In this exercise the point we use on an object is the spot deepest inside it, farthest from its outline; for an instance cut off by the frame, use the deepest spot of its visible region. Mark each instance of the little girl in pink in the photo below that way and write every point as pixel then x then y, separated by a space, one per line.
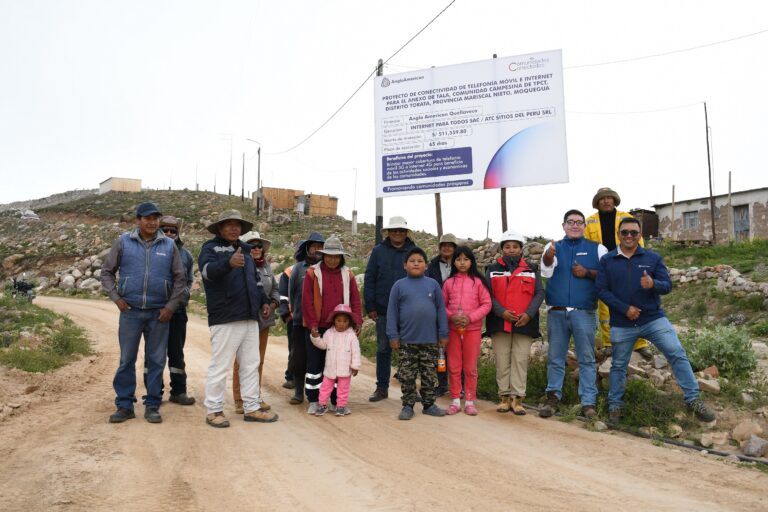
pixel 467 301
pixel 342 359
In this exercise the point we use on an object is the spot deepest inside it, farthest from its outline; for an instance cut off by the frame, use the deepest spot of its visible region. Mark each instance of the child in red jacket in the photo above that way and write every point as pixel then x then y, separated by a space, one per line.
pixel 467 301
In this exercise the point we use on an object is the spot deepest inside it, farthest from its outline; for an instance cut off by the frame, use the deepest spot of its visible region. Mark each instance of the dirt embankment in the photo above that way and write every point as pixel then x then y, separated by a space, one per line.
pixel 61 454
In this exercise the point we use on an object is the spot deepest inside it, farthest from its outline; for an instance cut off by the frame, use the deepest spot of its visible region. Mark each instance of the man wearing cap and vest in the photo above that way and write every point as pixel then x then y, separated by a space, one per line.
pixel 144 276
pixel 177 329
pixel 386 265
pixel 570 266
pixel 602 227
pixel 439 269
pixel 236 303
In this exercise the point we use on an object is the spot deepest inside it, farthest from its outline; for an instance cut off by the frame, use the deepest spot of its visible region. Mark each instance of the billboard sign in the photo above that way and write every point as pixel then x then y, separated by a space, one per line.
pixel 488 124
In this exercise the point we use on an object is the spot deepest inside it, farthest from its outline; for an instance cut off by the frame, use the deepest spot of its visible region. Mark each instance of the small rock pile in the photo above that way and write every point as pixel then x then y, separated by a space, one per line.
pixel 728 279
pixel 489 251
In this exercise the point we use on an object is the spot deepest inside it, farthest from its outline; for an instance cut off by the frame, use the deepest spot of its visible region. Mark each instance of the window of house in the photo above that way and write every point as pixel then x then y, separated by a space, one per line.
pixel 690 220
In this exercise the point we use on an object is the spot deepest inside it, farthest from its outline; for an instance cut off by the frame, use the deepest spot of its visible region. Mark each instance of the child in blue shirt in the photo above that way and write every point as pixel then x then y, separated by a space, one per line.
pixel 416 323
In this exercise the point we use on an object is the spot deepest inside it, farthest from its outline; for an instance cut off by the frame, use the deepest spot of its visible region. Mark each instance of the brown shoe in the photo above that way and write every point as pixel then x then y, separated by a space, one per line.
pixel 550 405
pixel 239 407
pixel 517 406
pixel 503 404
pixel 261 416
pixel 589 412
pixel 264 406
pixel 217 419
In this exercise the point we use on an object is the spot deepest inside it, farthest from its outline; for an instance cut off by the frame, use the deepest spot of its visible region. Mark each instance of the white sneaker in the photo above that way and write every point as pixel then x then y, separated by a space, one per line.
pixel 313 406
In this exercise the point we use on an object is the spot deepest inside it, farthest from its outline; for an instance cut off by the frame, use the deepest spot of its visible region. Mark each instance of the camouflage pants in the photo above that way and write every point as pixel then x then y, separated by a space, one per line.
pixel 418 360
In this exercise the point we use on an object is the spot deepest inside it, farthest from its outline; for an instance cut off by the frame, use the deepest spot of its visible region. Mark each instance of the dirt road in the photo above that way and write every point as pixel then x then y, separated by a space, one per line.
pixel 63 455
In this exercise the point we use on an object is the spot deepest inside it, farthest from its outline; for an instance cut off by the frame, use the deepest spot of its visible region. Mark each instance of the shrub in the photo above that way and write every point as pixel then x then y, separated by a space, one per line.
pixel 726 347
pixel 760 329
pixel 645 406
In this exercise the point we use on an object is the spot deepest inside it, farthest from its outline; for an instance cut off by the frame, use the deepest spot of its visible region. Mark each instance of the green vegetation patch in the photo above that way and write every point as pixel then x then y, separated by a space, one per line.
pixel 726 347
pixel 749 258
pixel 35 339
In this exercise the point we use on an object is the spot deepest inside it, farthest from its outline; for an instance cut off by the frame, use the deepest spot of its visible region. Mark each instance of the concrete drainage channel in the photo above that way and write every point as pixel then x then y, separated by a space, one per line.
pixel 665 440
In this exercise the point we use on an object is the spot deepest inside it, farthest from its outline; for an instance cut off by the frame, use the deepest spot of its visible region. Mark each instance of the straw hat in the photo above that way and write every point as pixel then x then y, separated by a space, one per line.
pixel 230 215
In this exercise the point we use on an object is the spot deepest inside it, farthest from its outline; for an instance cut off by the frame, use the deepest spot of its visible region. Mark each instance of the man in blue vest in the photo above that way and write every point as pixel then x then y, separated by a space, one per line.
pixel 150 286
pixel 631 281
pixel 570 266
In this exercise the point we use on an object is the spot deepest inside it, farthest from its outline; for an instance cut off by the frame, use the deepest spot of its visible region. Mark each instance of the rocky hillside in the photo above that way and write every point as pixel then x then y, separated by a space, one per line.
pixel 71 238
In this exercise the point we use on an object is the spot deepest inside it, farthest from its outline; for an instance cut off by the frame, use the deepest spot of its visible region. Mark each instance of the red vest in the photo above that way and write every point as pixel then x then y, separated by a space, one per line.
pixel 514 290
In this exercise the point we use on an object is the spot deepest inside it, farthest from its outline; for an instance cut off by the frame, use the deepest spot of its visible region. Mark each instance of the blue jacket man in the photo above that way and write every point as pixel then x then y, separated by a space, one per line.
pixel 571 268
pixel 631 281
pixel 386 265
pixel 236 301
pixel 143 275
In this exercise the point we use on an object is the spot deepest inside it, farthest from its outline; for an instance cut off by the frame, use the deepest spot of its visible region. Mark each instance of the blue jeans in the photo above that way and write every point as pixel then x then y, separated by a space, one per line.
pixel 661 333
pixel 383 354
pixel 133 323
pixel 561 325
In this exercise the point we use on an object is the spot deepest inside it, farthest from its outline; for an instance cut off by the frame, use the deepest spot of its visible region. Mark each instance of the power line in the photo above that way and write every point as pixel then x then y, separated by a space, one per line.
pixel 663 54
pixel 372 73
pixel 676 107
pixel 629 59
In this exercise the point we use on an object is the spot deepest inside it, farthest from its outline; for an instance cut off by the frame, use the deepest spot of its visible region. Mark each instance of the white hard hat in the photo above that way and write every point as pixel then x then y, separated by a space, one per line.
pixel 510 235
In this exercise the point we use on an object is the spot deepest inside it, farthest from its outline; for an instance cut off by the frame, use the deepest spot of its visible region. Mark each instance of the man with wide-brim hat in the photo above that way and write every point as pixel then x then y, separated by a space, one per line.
pixel 236 302
pixel 602 227
pixel 259 246
pixel 307 254
pixel 327 284
pixel 136 275
pixel 386 265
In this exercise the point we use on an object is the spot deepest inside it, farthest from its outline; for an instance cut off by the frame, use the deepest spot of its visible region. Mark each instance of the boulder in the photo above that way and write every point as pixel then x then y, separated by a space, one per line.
pixel 67 282
pixel 90 284
pixel 710 439
pixel 745 430
pixel 710 386
pixel 712 371
pixel 755 447
pixel 659 361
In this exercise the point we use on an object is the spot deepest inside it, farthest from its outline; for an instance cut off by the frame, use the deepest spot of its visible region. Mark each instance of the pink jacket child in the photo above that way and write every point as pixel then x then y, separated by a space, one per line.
pixel 465 296
pixel 468 295
pixel 342 359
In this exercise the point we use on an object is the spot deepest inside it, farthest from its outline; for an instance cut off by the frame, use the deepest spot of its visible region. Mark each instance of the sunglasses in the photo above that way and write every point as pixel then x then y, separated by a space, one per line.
pixel 398 230
pixel 629 232
pixel 257 246
pixel 170 230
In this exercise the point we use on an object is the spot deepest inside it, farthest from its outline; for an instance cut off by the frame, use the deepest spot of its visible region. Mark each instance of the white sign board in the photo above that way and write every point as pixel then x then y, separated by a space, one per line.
pixel 489 124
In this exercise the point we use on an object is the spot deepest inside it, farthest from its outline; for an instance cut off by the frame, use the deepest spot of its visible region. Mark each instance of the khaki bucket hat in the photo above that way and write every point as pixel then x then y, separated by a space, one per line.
pixel 230 215
pixel 254 235
pixel 333 247
pixel 606 192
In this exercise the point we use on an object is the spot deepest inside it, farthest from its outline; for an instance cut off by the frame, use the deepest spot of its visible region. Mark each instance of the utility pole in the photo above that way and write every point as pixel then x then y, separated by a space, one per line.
pixel 242 191
pixel 379 200
pixel 230 165
pixel 709 173
pixel 439 215
pixel 503 199
pixel 258 181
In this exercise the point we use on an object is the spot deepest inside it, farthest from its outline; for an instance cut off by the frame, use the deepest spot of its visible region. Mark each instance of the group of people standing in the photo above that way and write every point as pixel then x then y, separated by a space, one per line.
pixel 422 308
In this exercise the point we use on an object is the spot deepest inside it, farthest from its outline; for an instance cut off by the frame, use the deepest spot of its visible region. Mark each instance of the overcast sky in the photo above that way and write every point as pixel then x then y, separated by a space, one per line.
pixel 156 89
